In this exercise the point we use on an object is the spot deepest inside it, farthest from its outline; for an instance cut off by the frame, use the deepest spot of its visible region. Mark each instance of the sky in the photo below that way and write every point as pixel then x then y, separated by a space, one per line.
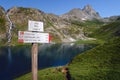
pixel 106 8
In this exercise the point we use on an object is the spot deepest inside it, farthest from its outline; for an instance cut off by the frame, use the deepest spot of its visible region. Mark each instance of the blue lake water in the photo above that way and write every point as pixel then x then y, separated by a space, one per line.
pixel 16 61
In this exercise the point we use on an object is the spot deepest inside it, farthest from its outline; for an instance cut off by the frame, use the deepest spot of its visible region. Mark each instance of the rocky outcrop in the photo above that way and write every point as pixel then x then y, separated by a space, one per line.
pixel 90 13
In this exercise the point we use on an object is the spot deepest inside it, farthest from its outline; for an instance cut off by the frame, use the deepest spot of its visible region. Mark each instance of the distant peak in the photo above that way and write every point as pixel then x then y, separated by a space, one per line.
pixel 88 7
pixel 75 9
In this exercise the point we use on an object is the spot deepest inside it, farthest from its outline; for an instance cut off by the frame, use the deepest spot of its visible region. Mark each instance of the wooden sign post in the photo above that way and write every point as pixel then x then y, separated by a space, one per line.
pixel 35 26
pixel 34 38
pixel 34 60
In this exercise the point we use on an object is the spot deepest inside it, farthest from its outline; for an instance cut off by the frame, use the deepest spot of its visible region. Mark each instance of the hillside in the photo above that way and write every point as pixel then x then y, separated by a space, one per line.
pixel 108 31
pixel 102 62
pixel 3 26
pixel 62 30
pixel 99 63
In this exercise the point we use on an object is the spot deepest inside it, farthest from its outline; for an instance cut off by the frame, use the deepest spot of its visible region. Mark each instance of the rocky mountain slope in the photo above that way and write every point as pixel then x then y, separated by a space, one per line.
pixel 68 27
pixel 60 29
pixel 87 13
pixel 3 25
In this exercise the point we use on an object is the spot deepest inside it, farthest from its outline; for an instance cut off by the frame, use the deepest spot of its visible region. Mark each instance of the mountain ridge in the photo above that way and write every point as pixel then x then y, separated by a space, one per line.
pixel 19 17
pixel 87 13
pixel 61 29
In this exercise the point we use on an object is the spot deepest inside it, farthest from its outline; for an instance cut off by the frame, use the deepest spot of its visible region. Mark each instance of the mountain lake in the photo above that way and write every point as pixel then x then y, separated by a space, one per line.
pixel 16 61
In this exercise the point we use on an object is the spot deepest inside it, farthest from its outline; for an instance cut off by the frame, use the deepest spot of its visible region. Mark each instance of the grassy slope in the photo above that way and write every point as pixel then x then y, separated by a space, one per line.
pixel 108 31
pixel 46 74
pixel 100 63
pixel 89 26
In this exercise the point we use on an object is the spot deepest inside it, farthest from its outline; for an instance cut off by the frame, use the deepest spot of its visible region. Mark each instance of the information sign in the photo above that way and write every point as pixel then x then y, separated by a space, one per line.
pixel 33 37
pixel 35 26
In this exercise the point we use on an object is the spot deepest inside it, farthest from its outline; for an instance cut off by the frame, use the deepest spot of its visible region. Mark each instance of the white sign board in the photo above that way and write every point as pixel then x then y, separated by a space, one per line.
pixel 33 37
pixel 35 26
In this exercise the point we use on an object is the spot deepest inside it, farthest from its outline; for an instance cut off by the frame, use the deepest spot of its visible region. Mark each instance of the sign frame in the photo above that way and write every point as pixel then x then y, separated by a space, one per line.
pixel 33 37
pixel 35 26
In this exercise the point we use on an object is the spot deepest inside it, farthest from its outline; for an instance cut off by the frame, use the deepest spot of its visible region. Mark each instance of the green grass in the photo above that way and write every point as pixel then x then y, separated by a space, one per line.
pixel 2 25
pixel 97 41
pixel 89 26
pixel 107 32
pixel 100 63
pixel 46 74
pixel 26 11
pixel 14 39
pixel 3 42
